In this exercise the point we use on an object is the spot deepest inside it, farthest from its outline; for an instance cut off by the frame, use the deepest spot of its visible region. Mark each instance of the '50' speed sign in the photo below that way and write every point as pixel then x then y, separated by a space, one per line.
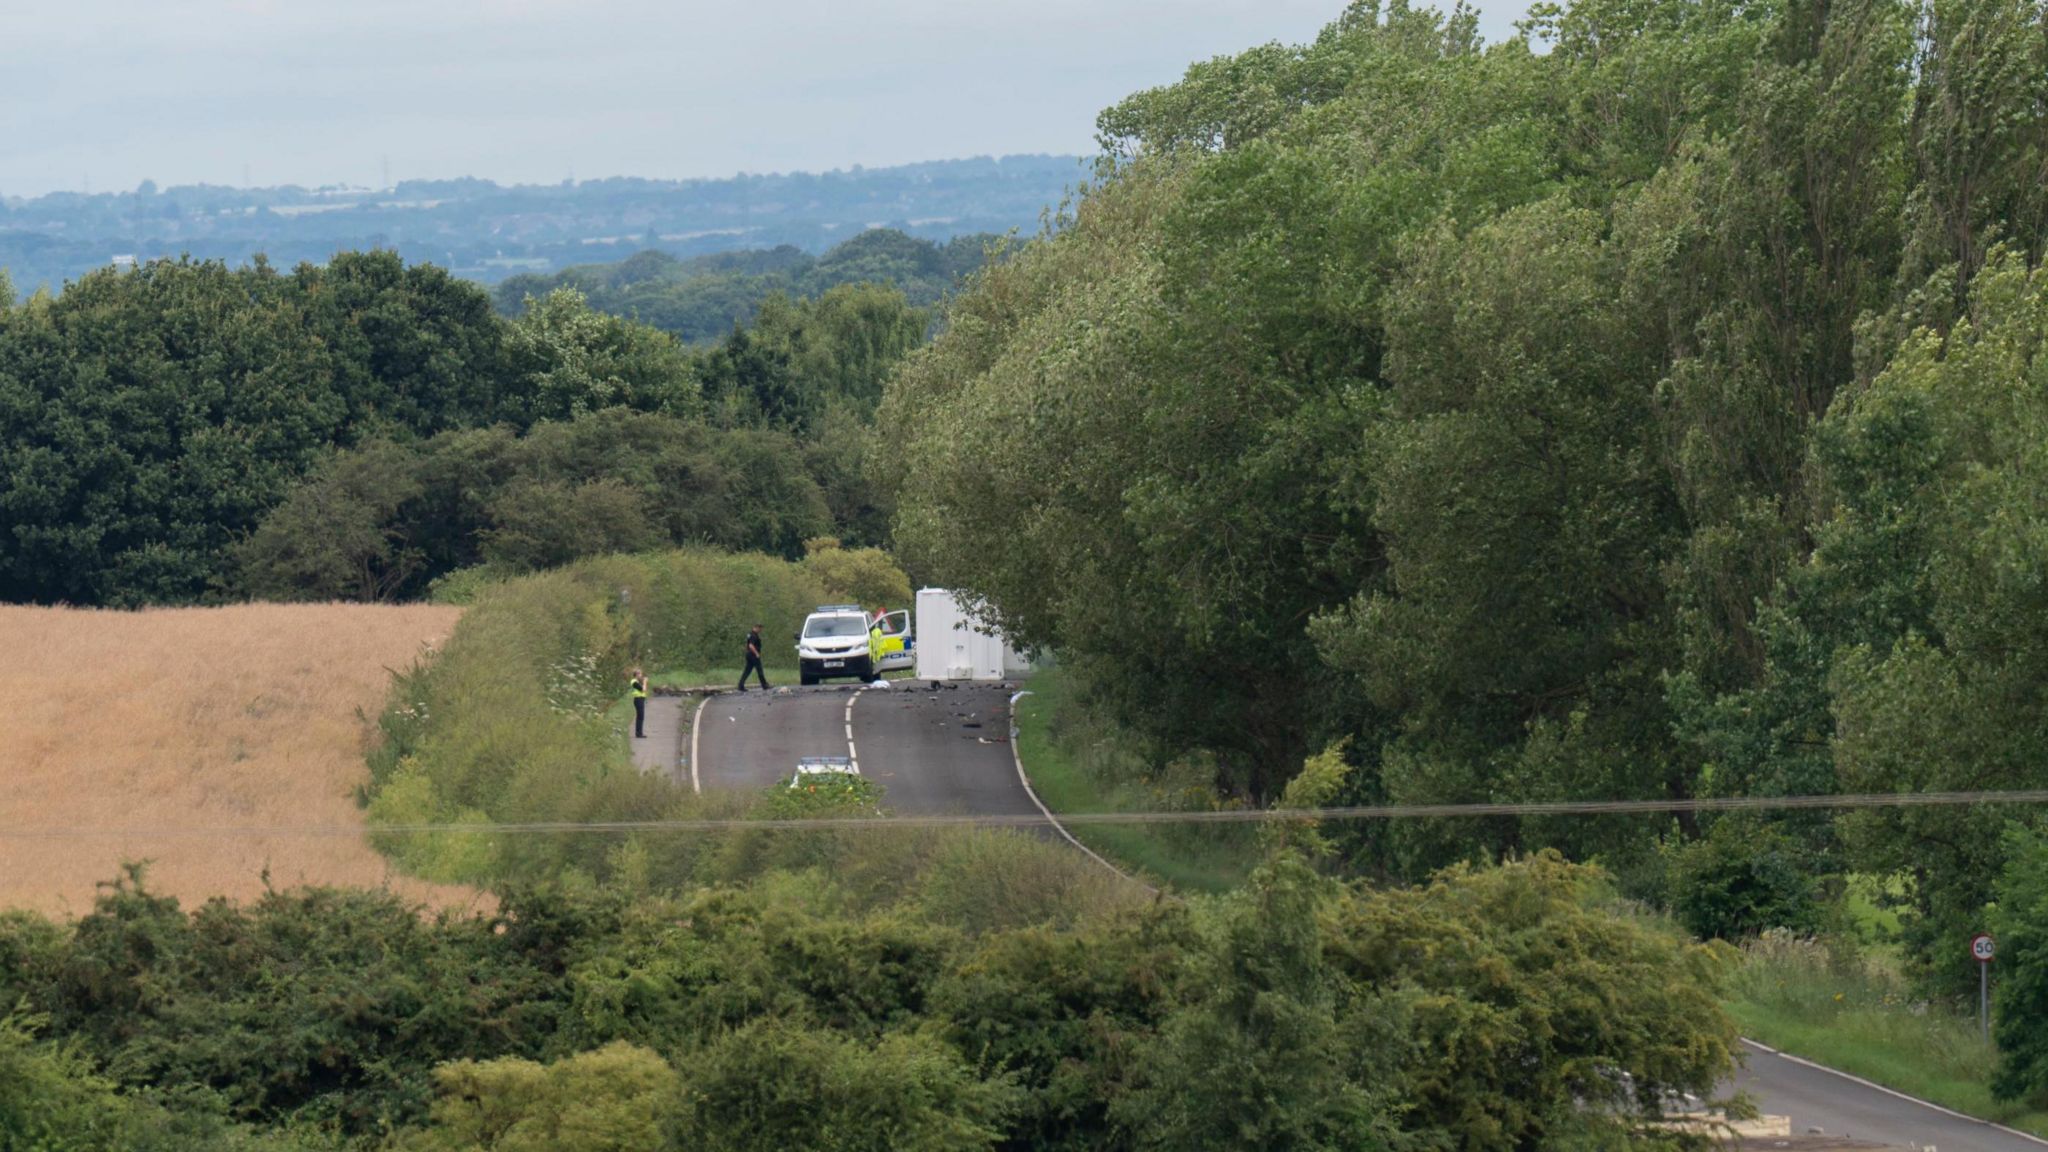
pixel 1982 948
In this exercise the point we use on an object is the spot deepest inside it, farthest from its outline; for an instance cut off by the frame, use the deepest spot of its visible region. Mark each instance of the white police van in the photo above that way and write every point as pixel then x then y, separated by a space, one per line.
pixel 833 644
pixel 841 640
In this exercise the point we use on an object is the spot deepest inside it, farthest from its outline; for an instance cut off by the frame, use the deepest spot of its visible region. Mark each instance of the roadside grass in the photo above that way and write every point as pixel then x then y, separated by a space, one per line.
pixel 1848 1009
pixel 1077 764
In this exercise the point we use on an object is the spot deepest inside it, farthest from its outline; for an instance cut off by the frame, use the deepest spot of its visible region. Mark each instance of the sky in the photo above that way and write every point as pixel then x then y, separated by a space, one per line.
pixel 101 94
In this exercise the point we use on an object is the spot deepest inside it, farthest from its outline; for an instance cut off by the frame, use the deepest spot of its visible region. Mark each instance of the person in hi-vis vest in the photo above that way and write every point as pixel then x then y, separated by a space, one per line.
pixel 639 703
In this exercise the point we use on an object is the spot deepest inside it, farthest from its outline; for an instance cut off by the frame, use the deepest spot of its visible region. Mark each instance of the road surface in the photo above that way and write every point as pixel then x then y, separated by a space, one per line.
pixel 945 751
pixel 1845 1110
pixel 933 751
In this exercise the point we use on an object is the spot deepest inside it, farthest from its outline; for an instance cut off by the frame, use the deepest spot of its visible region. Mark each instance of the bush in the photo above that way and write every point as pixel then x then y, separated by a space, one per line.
pixel 773 1087
pixel 50 1098
pixel 616 1099
pixel 325 1006
pixel 805 1011
pixel 1742 878
pixel 856 575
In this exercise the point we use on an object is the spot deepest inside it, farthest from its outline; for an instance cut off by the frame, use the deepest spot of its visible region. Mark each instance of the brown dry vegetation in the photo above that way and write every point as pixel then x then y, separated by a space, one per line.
pixel 182 720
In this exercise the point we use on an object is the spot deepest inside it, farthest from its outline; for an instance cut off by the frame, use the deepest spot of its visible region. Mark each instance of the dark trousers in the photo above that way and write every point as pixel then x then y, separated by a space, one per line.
pixel 639 715
pixel 753 668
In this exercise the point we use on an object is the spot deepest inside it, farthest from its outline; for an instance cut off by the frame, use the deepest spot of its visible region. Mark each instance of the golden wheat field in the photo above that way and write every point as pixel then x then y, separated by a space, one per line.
pixel 149 735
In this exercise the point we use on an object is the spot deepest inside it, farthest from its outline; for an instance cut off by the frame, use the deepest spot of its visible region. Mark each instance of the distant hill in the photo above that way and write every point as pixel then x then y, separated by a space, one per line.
pixel 701 297
pixel 489 232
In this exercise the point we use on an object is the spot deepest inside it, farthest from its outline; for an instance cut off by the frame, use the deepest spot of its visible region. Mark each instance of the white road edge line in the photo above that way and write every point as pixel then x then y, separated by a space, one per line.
pixel 1017 758
pixel 697 726
pixel 1893 1092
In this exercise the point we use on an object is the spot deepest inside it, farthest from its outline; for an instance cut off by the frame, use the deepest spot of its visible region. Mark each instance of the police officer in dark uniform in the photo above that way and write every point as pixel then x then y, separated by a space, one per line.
pixel 753 667
pixel 639 704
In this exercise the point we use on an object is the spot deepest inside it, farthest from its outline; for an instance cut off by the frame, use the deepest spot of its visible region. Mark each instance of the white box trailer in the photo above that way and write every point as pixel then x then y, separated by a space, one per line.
pixel 951 646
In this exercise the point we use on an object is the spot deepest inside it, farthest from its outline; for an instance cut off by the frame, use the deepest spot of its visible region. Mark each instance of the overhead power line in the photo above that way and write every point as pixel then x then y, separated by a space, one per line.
pixel 1866 800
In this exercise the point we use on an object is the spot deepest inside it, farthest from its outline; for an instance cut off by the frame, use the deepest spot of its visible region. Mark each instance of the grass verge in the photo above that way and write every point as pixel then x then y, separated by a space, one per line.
pixel 1850 1012
pixel 1077 764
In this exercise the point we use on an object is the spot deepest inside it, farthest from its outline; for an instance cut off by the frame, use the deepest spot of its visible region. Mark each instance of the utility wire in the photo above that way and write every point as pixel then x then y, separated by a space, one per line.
pixel 1853 801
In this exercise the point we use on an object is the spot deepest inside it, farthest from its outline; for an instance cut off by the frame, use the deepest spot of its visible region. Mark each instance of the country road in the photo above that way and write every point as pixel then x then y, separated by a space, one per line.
pixel 1846 1110
pixel 946 752
pixel 942 751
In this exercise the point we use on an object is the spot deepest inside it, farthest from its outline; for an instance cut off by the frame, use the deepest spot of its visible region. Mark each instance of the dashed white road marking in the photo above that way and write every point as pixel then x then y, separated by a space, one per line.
pixel 852 755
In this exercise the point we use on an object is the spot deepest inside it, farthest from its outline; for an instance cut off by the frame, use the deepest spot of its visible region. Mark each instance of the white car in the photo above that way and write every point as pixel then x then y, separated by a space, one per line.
pixel 817 768
pixel 833 644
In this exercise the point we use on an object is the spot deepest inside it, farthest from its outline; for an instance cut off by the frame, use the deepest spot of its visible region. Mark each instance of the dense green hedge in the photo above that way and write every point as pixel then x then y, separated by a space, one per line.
pixel 1497 1009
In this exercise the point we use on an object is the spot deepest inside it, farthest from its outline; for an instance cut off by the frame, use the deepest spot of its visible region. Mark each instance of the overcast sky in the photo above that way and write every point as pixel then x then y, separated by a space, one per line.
pixel 106 93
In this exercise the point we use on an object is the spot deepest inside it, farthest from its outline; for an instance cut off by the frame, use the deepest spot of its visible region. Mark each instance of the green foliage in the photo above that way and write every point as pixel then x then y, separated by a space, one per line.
pixel 358 429
pixel 387 520
pixel 613 1099
pixel 2021 1005
pixel 1938 523
pixel 864 576
pixel 837 1006
pixel 832 794
pixel 801 358
pixel 50 1098
pixel 570 360
pixel 1262 1061
pixel 1638 409
pixel 1584 994
pixel 320 1005
pixel 147 420
pixel 771 1087
pixel 703 298
pixel 1741 879
pixel 1080 760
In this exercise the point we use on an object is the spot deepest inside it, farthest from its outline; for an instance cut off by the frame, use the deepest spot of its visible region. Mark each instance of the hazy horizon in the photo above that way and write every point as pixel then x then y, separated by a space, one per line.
pixel 104 94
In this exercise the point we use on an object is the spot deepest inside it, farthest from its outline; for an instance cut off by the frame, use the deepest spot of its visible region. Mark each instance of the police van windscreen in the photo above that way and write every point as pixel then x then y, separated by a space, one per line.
pixel 828 627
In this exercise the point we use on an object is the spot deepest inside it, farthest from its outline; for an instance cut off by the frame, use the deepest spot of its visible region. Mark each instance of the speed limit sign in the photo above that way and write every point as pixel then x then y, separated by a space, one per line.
pixel 1982 948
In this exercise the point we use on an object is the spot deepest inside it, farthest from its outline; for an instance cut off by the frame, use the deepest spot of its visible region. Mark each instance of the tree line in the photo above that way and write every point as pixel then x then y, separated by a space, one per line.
pixel 1646 407
pixel 704 297
pixel 188 432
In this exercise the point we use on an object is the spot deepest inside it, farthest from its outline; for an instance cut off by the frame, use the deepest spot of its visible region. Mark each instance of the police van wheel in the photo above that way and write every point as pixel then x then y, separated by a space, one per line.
pixel 806 679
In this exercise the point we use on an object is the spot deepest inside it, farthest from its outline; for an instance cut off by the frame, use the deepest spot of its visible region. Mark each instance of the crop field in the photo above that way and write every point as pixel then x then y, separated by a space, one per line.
pixel 164 735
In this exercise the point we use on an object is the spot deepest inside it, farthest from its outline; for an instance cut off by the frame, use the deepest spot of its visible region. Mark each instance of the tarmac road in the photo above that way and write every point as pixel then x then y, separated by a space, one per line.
pixel 1843 1109
pixel 942 751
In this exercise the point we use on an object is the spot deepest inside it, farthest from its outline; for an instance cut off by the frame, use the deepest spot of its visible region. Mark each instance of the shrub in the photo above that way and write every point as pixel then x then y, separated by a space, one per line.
pixel 1742 878
pixel 857 575
pixel 615 1099
pixel 773 1087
